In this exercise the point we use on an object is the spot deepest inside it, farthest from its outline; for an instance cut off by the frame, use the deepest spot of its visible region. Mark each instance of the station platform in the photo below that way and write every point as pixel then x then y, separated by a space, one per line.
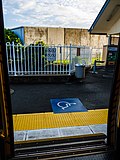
pixel 49 125
pixel 33 116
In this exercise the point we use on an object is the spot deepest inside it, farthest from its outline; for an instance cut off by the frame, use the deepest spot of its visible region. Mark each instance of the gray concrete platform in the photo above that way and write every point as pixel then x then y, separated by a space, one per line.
pixel 59 132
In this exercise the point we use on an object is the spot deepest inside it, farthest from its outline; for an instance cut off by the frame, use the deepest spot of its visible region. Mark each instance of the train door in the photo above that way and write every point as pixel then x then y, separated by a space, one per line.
pixel 6 123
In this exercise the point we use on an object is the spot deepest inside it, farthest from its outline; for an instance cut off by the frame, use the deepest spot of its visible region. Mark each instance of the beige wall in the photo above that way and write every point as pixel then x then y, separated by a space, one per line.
pixel 34 34
pixel 64 36
pixel 56 36
pixel 84 38
pixel 72 36
pixel 98 41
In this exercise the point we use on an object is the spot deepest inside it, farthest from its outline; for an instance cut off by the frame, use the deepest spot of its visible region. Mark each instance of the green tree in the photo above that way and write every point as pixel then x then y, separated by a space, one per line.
pixel 10 36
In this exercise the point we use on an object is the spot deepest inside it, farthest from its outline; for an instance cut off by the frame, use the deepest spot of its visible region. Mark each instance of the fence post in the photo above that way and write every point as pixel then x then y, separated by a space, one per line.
pixel 90 55
pixel 61 60
pixel 14 58
pixel 21 59
pixel 70 59
pixel 7 57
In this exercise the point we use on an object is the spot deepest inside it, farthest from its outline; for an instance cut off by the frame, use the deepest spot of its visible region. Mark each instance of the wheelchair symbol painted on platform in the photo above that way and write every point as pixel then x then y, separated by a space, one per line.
pixel 64 104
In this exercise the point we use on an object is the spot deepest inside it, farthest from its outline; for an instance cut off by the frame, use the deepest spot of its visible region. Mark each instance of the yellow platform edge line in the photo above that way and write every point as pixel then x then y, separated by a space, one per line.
pixel 47 120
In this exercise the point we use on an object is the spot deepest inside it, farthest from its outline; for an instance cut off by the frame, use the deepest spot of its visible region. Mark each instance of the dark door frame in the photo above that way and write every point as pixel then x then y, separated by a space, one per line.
pixel 6 128
pixel 113 129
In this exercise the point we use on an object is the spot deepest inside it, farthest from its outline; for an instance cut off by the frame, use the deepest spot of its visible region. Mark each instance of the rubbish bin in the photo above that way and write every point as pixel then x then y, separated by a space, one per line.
pixel 80 71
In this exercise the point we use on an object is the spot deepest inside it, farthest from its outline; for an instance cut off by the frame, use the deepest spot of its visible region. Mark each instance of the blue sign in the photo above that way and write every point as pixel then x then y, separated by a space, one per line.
pixel 67 105
pixel 51 54
pixel 112 49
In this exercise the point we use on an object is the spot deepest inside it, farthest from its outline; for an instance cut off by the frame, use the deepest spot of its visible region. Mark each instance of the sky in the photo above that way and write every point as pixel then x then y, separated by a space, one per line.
pixel 51 13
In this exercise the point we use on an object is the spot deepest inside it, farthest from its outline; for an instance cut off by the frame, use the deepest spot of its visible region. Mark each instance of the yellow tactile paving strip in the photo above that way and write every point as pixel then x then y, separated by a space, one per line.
pixel 51 120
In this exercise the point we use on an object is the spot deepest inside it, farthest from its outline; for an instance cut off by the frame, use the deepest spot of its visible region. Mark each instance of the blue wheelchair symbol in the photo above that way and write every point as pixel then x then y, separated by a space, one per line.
pixel 64 104
pixel 67 105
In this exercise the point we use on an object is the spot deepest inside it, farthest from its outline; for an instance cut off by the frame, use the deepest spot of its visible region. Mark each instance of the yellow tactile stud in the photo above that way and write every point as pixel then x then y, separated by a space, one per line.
pixel 51 120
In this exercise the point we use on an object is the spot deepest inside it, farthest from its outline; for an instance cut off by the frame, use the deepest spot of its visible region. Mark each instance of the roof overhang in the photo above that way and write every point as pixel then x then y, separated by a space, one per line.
pixel 108 19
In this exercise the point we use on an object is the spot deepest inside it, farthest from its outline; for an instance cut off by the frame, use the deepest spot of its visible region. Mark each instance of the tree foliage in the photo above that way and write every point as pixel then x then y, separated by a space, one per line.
pixel 41 42
pixel 10 36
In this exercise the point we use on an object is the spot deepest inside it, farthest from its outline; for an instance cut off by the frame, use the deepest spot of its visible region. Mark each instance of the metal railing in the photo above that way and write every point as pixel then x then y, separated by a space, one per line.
pixel 45 60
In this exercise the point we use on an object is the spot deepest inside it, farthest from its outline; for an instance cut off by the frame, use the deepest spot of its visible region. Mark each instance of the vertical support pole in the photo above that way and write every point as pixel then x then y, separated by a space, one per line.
pixel 21 57
pixel 41 60
pixel 28 58
pixel 11 60
pixel 17 61
pixel 34 59
pixel 31 66
pixel 7 57
pixel 14 62
pixel 94 67
pixel 24 60
pixel 70 59
pixel 38 57
pixel 90 55
pixel 44 60
pixel 60 59
pixel 78 51
pixel 109 40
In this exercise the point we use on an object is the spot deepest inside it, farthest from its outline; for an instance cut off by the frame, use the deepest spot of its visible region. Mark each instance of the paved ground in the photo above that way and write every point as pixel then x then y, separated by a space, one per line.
pixel 94 93
pixel 59 132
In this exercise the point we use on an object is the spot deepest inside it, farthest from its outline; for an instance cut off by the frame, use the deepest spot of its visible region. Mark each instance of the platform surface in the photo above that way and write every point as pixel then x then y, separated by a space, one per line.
pixel 93 92
pixel 33 114
pixel 51 120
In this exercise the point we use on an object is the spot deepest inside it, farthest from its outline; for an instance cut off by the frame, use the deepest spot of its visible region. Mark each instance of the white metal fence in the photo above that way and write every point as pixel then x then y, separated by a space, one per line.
pixel 45 60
